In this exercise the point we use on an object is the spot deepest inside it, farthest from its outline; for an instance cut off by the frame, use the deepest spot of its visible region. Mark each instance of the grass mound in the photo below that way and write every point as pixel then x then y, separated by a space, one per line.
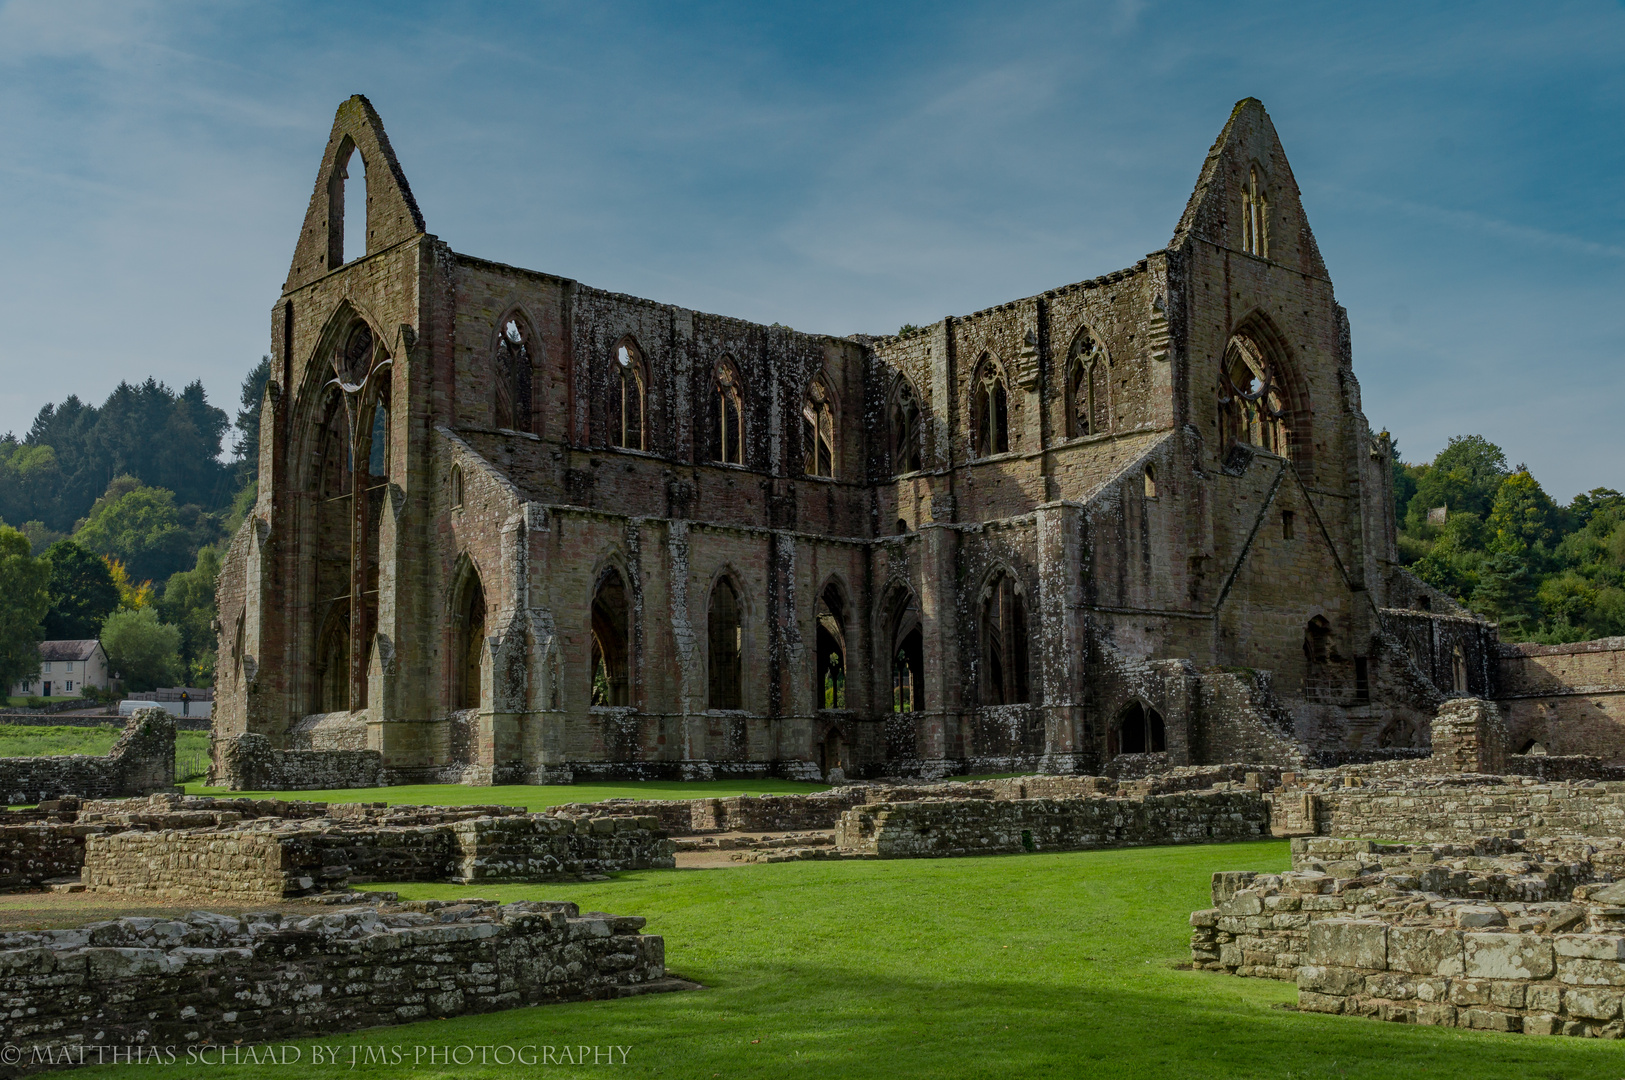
pixel 1019 966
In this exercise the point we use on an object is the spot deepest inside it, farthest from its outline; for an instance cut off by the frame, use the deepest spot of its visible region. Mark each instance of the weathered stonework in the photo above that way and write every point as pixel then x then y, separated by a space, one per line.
pixel 1051 534
pixel 221 982
pixel 142 761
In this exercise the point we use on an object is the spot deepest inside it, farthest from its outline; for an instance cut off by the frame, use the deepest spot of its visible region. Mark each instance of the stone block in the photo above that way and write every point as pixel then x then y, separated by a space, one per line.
pixel 1338 981
pixel 1436 1015
pixel 1591 1003
pixel 1507 956
pixel 1356 943
pixel 1590 946
pixel 1425 950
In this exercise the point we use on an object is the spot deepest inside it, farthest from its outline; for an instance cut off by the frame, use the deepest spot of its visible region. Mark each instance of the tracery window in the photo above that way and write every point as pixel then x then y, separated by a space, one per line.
pixel 1139 730
pixel 513 375
pixel 1253 404
pixel 818 430
pixel 905 430
pixel 1088 402
pixel 990 412
pixel 628 391
pixel 1004 644
pixel 728 425
pixel 1255 217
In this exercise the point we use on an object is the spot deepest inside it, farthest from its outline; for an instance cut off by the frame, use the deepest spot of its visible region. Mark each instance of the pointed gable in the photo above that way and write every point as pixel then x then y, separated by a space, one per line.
pixel 392 214
pixel 1247 166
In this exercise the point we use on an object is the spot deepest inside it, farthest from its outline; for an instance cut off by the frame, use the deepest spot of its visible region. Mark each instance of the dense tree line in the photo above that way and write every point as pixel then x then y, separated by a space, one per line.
pixel 121 514
pixel 1487 533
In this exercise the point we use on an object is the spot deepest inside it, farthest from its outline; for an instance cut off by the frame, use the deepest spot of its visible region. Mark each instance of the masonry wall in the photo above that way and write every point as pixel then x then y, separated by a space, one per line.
pixel 1565 699
pixel 1439 809
pixel 225 982
pixel 141 761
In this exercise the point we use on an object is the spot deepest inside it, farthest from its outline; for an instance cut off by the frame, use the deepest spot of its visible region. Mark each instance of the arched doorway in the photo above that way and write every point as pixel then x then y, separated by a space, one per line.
pixel 830 686
pixel 611 674
pixel 469 642
pixel 724 645
pixel 1139 730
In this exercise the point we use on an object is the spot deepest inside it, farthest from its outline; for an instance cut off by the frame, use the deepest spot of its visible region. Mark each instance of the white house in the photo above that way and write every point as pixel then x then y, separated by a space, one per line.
pixel 66 668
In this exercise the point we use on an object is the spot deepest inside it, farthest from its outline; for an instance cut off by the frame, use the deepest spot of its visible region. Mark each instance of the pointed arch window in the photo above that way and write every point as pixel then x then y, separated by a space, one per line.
pixel 906 430
pixel 1139 730
pixel 724 647
pixel 512 377
pixel 990 409
pixel 628 391
pixel 907 656
pixel 611 641
pixel 830 642
pixel 347 204
pixel 818 429
pixel 468 642
pixel 1004 644
pixel 1255 216
pixel 728 414
pixel 1253 405
pixel 1088 388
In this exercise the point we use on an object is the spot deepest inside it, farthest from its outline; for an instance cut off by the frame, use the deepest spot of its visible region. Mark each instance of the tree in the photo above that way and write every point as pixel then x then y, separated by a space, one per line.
pixel 142 527
pixel 143 652
pixel 188 605
pixel 247 447
pixel 82 592
pixel 1505 592
pixel 132 596
pixel 1464 477
pixel 1523 515
pixel 24 599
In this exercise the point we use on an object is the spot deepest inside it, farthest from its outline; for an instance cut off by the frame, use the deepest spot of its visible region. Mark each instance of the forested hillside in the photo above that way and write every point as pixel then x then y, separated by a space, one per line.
pixel 1489 535
pixel 126 507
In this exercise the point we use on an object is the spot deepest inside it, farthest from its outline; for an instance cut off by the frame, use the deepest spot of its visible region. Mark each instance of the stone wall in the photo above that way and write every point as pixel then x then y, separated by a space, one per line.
pixel 142 761
pixel 1469 736
pixel 221 981
pixel 1566 699
pixel 1446 809
pixel 272 859
pixel 249 763
pixel 943 827
pixel 32 853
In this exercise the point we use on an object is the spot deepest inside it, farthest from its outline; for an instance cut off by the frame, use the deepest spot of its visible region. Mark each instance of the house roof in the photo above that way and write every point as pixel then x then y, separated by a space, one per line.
pixel 68 650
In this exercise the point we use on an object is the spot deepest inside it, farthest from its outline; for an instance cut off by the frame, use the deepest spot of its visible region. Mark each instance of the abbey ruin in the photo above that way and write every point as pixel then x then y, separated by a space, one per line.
pixel 514 528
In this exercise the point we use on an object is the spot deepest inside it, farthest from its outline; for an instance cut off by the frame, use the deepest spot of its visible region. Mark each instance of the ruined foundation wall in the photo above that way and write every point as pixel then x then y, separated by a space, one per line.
pixel 1439 809
pixel 227 981
pixel 142 761
pixel 250 763
pixel 1568 699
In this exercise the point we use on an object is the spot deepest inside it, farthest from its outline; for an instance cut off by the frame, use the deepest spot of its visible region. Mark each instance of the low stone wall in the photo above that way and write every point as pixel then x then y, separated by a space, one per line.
pixel 1259 924
pixel 249 763
pixel 933 828
pixel 143 760
pixel 1461 808
pixel 33 853
pixel 271 859
pixel 213 979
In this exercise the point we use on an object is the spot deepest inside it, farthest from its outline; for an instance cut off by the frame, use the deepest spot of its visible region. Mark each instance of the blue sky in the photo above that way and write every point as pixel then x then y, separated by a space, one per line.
pixel 839 168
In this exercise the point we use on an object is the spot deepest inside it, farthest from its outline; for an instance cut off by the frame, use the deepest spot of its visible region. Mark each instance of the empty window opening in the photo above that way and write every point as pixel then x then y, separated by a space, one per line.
pixel 611 641
pixel 830 634
pixel 1362 680
pixel 456 487
pixel 906 433
pixel 468 650
pixel 902 527
pixel 728 422
pixel 990 410
pixel 1458 670
pixel 512 377
pixel 1140 730
pixel 908 657
pixel 725 647
pixel 1004 644
pixel 1317 641
pixel 1252 402
pixel 1534 748
pixel 628 396
pixel 1255 217
pixel 818 430
pixel 1288 525
pixel 1150 482
pixel 347 207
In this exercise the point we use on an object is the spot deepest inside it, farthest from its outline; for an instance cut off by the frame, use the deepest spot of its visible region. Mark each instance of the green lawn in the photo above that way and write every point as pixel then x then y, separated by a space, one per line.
pixel 27 740
pixel 530 796
pixel 1019 966
pixel 22 702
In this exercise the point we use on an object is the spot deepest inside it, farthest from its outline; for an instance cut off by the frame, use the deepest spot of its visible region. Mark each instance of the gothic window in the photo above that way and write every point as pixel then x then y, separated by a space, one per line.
pixel 725 647
pixel 907 657
pixel 1004 644
pixel 378 441
pixel 346 204
pixel 468 642
pixel 1151 481
pixel 905 430
pixel 989 409
pixel 818 430
pixel 333 661
pixel 628 398
pixel 611 641
pixel 513 376
pixel 1255 217
pixel 830 634
pixel 1139 730
pixel 728 421
pixel 1088 404
pixel 1253 405
pixel 456 487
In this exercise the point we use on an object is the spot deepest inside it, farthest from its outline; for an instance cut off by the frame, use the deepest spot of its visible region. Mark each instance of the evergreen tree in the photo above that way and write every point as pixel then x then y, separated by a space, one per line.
pixel 82 592
pixel 24 599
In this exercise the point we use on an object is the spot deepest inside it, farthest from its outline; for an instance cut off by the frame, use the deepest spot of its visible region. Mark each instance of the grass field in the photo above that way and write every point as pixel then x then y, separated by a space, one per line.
pixel 1039 965
pixel 21 701
pixel 530 796
pixel 24 740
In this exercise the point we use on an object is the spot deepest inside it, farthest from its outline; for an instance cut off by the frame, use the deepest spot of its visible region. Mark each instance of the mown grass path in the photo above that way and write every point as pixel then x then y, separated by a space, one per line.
pixel 1042 965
